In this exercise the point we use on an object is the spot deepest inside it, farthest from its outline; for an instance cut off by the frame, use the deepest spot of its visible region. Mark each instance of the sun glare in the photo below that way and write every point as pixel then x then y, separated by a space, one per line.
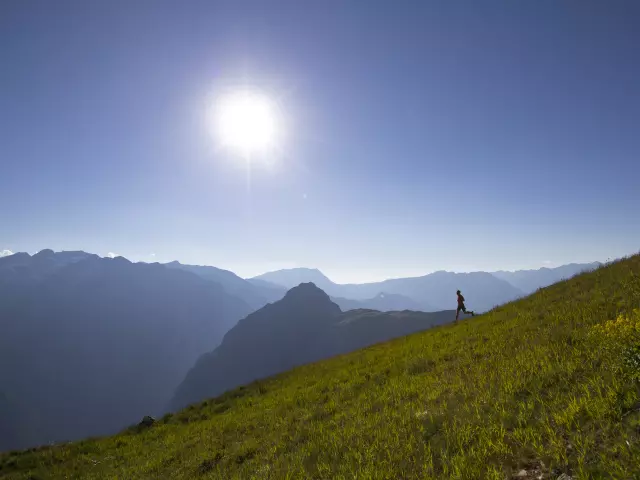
pixel 247 122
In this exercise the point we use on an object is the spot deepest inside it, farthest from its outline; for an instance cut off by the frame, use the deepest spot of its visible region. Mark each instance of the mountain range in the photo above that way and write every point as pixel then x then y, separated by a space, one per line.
pixel 435 291
pixel 531 280
pixel 90 345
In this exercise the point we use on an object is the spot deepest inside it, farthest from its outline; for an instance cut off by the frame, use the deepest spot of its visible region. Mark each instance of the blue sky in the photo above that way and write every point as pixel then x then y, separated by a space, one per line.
pixel 420 136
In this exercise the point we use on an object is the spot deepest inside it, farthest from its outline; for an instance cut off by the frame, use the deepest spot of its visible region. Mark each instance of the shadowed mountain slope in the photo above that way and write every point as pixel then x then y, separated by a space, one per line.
pixel 303 327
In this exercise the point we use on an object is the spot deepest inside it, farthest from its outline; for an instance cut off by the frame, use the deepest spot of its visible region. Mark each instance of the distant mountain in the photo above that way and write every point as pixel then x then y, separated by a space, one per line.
pixel 437 290
pixel 531 280
pixel 292 277
pixel 89 345
pixel 303 327
pixel 482 290
pixel 254 294
pixel 383 302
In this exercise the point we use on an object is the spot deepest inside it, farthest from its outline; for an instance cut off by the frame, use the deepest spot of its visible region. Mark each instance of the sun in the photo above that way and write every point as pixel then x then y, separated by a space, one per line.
pixel 247 122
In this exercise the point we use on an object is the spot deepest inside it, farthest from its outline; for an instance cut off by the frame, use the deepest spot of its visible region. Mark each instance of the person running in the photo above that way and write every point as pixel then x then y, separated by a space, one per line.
pixel 461 306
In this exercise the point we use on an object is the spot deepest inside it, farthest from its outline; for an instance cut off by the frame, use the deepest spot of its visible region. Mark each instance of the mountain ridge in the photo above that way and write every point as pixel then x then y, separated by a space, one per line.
pixel 519 283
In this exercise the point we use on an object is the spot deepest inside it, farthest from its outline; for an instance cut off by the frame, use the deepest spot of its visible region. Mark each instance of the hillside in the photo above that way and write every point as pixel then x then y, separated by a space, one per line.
pixel 89 344
pixel 543 387
pixel 305 326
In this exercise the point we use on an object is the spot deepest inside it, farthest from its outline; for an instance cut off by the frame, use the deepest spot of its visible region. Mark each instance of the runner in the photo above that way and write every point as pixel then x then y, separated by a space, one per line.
pixel 461 306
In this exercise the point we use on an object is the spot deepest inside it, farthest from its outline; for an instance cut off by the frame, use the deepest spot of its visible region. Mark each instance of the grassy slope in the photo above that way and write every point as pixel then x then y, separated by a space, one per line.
pixel 483 398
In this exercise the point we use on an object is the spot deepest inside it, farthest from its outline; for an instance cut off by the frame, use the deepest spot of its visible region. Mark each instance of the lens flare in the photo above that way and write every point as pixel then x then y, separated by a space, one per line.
pixel 247 122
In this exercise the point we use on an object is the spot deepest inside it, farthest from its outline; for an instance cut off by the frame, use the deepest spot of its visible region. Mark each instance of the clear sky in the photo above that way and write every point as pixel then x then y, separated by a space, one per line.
pixel 420 136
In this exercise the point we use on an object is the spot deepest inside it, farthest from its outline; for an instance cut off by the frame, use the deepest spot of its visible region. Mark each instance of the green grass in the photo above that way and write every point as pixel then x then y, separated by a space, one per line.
pixel 532 385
